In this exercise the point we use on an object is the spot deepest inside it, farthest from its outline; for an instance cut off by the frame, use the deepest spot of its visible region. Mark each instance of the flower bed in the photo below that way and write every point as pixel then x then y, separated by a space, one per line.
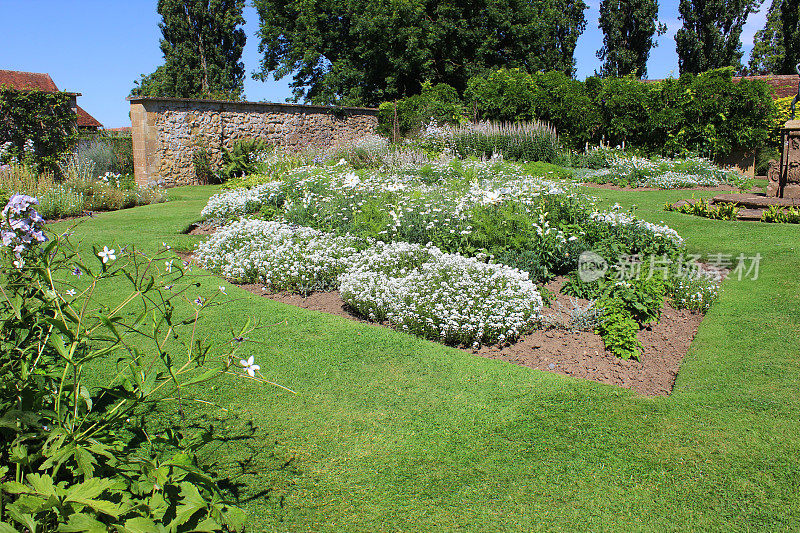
pixel 621 169
pixel 450 251
pixel 419 289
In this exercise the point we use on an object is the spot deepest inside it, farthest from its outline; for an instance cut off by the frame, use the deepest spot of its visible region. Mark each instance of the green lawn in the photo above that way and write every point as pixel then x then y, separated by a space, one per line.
pixel 392 433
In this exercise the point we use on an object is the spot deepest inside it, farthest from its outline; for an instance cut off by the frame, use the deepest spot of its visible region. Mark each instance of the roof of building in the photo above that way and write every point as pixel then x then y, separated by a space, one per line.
pixel 30 81
pixel 783 85
pixel 85 120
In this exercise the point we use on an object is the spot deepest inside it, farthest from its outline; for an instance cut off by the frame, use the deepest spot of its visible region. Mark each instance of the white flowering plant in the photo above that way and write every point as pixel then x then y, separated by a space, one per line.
pixel 628 170
pixel 72 452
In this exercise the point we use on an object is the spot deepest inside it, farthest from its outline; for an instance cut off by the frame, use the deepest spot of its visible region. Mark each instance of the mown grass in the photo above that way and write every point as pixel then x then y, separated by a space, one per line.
pixel 392 433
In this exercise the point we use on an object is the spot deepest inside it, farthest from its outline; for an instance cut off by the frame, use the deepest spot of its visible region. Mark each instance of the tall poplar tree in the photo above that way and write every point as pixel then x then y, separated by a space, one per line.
pixel 768 51
pixel 790 17
pixel 711 34
pixel 202 43
pixel 628 27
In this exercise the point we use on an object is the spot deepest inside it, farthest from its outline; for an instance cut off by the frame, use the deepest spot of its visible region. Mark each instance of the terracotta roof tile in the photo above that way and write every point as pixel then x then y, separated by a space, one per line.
pixel 27 80
pixel 85 120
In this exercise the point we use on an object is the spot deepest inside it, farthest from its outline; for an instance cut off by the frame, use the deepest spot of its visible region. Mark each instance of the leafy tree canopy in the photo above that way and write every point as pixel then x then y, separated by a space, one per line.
pixel 202 43
pixel 711 34
pixel 768 52
pixel 628 27
pixel 362 52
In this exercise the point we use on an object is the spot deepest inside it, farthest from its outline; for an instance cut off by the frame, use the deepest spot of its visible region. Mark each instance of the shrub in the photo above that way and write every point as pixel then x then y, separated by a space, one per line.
pixel 438 103
pixel 701 208
pixel 80 456
pixel 521 141
pixel 98 151
pixel 243 158
pixel 618 329
pixel 776 213
pixel 694 292
pixel 201 159
pixel 707 113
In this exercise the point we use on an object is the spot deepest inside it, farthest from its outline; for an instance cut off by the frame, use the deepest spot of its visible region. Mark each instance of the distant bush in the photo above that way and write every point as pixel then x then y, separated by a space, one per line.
pixel 706 114
pixel 438 103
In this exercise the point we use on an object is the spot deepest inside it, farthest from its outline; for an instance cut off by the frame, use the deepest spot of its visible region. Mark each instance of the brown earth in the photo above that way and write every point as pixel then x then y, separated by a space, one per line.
pixel 579 354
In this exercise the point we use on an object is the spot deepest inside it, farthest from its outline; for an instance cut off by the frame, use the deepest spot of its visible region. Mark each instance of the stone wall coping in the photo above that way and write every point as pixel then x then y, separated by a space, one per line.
pixel 142 99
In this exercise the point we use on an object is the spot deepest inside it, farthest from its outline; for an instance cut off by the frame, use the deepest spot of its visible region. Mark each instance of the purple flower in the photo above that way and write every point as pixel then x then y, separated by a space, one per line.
pixel 199 301
pixel 77 272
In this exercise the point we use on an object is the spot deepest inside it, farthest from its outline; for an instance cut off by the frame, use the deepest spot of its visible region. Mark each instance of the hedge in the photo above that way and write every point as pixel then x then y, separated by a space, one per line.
pixel 707 114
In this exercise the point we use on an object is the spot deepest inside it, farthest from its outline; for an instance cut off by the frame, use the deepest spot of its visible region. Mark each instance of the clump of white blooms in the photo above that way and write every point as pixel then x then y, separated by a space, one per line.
pixel 619 218
pixel 660 172
pixel 695 292
pixel 229 205
pixel 417 288
pixel 446 297
pixel 284 257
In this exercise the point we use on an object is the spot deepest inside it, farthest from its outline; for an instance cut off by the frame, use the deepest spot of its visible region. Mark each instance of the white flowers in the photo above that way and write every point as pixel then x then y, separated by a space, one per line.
pixel 417 288
pixel 107 255
pixel 249 366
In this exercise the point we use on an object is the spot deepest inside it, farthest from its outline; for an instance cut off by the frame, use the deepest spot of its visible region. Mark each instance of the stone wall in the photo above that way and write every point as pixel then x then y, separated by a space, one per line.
pixel 167 131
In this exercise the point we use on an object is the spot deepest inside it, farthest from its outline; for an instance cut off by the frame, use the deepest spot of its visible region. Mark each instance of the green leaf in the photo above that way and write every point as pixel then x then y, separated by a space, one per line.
pixel 6 528
pixel 82 523
pixel 205 376
pixel 139 524
pixel 191 503
pixel 86 462
pixel 87 492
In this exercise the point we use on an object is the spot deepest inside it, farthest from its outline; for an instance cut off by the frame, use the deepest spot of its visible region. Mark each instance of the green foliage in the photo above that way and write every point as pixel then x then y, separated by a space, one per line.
pixel 438 103
pixel 359 52
pixel 780 214
pixel 790 24
pixel 201 159
pixel 202 42
pixel 243 159
pixel 706 114
pixel 642 297
pixel 710 37
pixel 628 27
pixel 45 118
pixel 618 329
pixel 701 208
pixel 83 457
pixel 768 49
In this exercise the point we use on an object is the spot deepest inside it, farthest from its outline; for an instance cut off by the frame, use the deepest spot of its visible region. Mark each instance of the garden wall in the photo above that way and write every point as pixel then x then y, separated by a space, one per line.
pixel 167 131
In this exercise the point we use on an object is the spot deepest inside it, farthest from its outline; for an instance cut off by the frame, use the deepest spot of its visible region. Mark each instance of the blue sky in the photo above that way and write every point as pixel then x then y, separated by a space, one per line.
pixel 99 47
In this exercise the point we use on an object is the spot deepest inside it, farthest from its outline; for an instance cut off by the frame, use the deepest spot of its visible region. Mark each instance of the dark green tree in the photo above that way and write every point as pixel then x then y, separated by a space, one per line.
pixel 202 43
pixel 628 27
pixel 790 16
pixel 768 51
pixel 711 34
pixel 362 52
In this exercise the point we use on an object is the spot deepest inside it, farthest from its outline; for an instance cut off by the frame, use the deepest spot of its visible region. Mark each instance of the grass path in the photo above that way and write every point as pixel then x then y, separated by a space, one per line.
pixel 392 433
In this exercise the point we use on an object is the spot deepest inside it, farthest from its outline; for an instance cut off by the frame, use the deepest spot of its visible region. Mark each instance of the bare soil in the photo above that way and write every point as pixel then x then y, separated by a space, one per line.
pixel 579 354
